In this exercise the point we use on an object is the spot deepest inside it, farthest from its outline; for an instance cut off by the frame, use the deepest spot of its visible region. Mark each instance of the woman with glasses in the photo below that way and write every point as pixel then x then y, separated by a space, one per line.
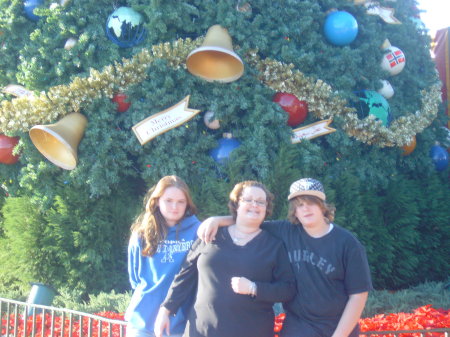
pixel 238 276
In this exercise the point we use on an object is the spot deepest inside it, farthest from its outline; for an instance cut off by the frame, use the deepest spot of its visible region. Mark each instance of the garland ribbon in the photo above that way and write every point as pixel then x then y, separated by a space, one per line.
pixel 21 113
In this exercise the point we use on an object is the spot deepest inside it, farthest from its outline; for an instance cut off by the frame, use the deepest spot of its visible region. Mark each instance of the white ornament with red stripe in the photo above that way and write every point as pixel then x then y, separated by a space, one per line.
pixel 393 60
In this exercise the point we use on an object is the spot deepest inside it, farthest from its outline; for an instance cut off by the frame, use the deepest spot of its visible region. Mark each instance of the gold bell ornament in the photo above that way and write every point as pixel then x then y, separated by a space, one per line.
pixel 58 142
pixel 216 60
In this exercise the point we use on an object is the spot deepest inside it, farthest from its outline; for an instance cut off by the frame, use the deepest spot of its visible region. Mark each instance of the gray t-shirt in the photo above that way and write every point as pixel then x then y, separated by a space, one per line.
pixel 327 271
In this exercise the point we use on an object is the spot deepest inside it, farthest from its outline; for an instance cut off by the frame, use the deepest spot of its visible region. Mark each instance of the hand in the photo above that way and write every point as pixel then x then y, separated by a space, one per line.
pixel 162 322
pixel 208 229
pixel 241 285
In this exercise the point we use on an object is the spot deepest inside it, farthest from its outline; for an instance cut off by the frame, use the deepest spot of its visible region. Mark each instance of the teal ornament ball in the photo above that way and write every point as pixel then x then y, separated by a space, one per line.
pixel 125 27
pixel 340 28
pixel 372 103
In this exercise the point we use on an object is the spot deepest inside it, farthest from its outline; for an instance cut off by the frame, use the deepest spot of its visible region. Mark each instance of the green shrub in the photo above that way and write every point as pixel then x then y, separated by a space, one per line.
pixel 68 241
pixel 13 293
pixel 72 299
pixel 437 294
pixel 380 301
pixel 383 301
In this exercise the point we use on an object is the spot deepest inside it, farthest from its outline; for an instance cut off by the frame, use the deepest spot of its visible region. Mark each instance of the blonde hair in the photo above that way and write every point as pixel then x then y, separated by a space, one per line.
pixel 327 209
pixel 150 224
pixel 236 194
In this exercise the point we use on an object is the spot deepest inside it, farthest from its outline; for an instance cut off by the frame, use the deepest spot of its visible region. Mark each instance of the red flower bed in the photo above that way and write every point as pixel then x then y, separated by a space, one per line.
pixel 421 318
pixel 42 326
pixel 424 317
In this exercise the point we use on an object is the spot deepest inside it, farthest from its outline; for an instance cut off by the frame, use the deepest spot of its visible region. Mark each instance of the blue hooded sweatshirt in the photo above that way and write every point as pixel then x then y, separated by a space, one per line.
pixel 151 276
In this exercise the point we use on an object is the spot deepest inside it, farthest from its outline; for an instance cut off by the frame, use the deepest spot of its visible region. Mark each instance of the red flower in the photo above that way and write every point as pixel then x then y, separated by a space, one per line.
pixel 421 318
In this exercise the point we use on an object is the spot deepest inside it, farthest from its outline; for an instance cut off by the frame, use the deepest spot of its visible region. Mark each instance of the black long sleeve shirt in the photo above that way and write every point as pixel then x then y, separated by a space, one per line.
pixel 220 312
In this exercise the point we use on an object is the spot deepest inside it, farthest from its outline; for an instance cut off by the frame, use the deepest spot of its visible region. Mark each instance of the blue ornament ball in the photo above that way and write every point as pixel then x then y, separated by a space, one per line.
pixel 28 8
pixel 340 28
pixel 439 156
pixel 372 103
pixel 222 152
pixel 125 27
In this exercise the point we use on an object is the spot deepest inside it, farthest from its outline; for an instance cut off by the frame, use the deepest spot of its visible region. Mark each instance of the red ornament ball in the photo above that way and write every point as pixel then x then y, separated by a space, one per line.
pixel 409 148
pixel 7 145
pixel 297 110
pixel 122 104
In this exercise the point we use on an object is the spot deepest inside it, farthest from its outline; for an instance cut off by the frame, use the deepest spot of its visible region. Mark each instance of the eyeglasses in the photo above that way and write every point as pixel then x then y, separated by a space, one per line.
pixel 260 203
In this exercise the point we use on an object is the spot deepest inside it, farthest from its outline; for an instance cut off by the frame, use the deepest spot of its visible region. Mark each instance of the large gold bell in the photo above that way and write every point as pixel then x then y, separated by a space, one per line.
pixel 58 142
pixel 215 60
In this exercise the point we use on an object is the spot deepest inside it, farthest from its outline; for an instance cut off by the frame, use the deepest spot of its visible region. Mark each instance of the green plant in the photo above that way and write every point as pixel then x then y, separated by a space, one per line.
pixel 74 300
pixel 384 301
pixel 66 240
pixel 379 302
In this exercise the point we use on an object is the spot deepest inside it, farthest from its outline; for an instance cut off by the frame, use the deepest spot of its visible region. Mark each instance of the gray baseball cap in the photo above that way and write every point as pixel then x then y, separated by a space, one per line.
pixel 307 186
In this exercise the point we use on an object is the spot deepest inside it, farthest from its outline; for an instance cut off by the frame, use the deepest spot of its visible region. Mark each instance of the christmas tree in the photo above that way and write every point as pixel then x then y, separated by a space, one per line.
pixel 342 91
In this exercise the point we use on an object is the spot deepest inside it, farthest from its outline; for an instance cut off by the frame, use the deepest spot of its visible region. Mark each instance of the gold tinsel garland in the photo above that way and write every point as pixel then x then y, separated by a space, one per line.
pixel 20 114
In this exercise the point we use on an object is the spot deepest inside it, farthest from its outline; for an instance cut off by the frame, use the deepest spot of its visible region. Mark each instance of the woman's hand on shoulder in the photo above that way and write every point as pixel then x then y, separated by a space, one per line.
pixel 208 229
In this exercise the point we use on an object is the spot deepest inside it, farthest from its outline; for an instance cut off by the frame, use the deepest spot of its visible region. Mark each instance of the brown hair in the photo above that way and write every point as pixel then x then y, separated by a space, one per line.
pixel 236 194
pixel 327 209
pixel 150 225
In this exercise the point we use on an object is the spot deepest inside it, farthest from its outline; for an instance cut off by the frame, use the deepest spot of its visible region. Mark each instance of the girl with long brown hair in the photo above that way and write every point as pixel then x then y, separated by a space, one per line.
pixel 160 238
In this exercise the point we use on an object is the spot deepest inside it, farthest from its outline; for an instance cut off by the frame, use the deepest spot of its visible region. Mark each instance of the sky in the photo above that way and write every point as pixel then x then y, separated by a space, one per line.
pixel 436 14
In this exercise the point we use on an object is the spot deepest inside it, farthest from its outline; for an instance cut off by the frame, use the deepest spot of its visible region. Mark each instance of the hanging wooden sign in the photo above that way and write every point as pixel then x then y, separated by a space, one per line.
pixel 164 121
pixel 17 90
pixel 385 13
pixel 311 131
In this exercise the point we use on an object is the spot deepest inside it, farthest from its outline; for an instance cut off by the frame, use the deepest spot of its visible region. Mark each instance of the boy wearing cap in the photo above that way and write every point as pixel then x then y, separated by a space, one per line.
pixel 329 263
